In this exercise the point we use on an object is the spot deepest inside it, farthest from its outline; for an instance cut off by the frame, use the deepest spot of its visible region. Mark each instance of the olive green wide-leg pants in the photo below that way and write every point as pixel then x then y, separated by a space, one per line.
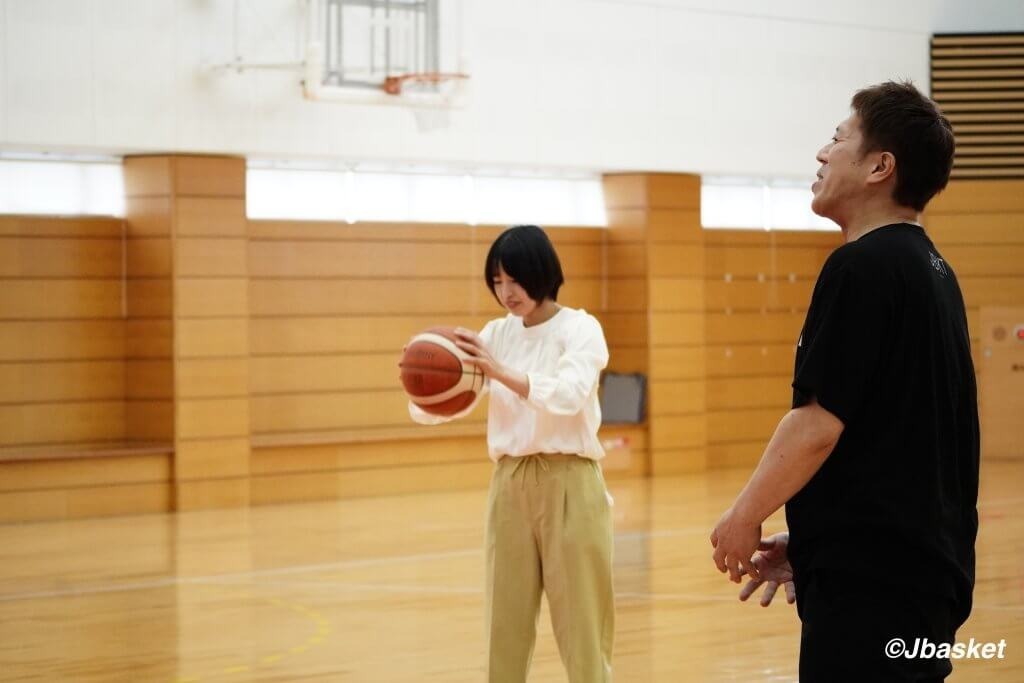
pixel 549 528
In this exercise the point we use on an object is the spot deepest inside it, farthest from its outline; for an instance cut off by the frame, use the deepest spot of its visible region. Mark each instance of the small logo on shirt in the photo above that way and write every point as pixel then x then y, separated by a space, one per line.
pixel 938 264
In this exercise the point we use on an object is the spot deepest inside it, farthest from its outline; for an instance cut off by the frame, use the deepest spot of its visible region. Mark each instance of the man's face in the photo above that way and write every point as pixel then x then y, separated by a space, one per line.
pixel 843 173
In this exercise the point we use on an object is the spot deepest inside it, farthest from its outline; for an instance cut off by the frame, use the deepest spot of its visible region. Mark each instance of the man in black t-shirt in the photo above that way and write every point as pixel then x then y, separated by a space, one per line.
pixel 877 462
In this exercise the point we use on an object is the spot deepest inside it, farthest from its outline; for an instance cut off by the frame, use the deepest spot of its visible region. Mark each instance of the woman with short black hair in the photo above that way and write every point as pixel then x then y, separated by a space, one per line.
pixel 549 525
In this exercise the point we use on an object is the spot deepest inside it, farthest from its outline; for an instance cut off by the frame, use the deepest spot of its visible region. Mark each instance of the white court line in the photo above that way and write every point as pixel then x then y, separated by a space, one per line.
pixel 402 588
pixel 297 569
pixel 377 587
pixel 392 560
pixel 214 578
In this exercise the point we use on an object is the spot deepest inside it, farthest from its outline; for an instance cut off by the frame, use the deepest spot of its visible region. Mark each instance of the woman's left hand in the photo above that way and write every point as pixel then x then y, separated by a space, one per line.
pixel 479 356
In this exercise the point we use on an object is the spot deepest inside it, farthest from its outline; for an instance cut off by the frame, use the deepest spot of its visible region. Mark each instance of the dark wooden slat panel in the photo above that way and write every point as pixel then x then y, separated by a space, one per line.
pixel 942 86
pixel 993 95
pixel 970 62
pixel 997 150
pixel 987 117
pixel 982 106
pixel 990 161
pixel 978 39
pixel 975 139
pixel 989 128
pixel 953 74
pixel 1008 51
pixel 987 173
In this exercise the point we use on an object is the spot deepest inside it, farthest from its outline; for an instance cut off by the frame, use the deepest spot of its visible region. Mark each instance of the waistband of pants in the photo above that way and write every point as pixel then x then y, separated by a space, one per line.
pixel 550 457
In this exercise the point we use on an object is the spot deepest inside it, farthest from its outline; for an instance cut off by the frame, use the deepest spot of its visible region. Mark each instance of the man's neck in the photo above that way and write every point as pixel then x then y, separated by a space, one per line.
pixel 872 218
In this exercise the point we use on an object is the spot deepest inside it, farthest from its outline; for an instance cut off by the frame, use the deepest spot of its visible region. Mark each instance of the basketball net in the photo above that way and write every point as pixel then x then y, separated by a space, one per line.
pixel 428 118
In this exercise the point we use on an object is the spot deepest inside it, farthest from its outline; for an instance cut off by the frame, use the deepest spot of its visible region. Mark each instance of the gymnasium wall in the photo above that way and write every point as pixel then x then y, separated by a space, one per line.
pixel 66 416
pixel 61 305
pixel 758 285
pixel 186 357
pixel 656 246
pixel 724 308
pixel 979 227
pixel 706 78
pixel 331 305
pixel 263 354
pixel 758 288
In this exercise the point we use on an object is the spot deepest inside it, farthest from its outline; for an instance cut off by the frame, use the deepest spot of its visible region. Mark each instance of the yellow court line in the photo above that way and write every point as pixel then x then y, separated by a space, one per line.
pixel 323 629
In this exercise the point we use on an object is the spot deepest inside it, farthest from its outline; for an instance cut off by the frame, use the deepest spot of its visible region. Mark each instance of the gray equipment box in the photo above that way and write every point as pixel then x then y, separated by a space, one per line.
pixel 623 398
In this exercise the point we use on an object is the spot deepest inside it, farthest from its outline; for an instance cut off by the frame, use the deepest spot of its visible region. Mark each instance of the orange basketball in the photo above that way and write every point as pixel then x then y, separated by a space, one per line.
pixel 434 375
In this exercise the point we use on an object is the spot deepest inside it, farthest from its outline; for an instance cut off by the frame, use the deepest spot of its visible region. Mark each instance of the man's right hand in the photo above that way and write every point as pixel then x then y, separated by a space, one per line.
pixel 773 568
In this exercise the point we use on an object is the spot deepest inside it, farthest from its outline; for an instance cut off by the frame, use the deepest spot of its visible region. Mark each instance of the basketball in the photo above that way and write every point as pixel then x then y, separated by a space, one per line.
pixel 434 375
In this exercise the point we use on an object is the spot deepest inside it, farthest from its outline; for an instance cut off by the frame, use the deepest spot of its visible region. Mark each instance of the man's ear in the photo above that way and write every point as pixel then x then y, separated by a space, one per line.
pixel 883 167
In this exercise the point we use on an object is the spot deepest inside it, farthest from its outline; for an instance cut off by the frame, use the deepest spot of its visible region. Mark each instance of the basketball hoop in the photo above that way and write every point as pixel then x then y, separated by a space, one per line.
pixel 412 88
pixel 393 85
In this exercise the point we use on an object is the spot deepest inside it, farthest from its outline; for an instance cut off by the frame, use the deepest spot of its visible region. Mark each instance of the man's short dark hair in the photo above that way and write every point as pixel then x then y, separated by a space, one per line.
pixel 526 254
pixel 897 118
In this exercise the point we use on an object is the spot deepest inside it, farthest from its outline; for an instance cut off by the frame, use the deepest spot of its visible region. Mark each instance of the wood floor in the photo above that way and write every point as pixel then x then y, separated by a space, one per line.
pixel 388 589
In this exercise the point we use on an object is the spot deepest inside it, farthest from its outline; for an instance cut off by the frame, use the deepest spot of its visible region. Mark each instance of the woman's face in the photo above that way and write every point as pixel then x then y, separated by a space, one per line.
pixel 511 295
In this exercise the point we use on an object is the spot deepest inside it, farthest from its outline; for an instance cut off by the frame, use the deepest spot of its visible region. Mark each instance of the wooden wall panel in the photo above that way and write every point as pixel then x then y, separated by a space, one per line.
pixel 751 360
pixel 677 397
pixel 30 424
pixel 150 421
pixel 52 382
pixel 749 392
pixel 211 418
pixel 627 259
pixel 210 217
pixel 211 337
pixel 652 191
pixel 147 257
pixel 210 281
pixel 979 227
pixel 150 338
pixel 62 334
pixel 656 270
pixel 677 329
pixel 62 340
pixel 42 475
pixel 149 299
pixel 344 334
pixel 758 288
pixel 33 299
pixel 284 413
pixel 212 377
pixel 628 359
pixel 148 252
pixel 310 374
pixel 219 297
pixel 287 334
pixel 677 294
pixel 371 482
pixel 148 379
pixel 29 256
pixel 208 176
pixel 412 464
pixel 336 259
pixel 212 457
pixel 85 501
pixel 331 306
pixel 678 362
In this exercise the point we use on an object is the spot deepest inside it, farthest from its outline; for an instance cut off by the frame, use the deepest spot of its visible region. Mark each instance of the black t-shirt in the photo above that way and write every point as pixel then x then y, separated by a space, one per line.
pixel 885 348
